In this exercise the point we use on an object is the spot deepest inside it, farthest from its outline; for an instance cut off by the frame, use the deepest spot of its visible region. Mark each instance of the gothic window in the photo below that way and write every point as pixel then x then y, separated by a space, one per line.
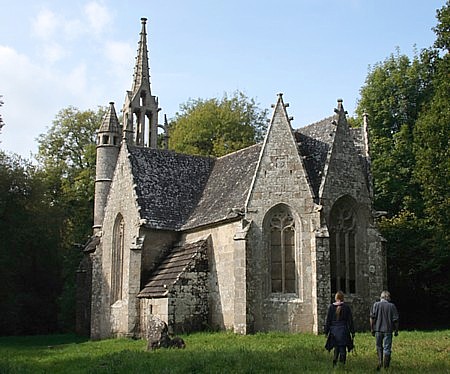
pixel 282 251
pixel 117 260
pixel 343 247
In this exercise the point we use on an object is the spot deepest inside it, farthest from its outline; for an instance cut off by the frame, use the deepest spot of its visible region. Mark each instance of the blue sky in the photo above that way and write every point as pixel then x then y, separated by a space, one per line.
pixel 54 54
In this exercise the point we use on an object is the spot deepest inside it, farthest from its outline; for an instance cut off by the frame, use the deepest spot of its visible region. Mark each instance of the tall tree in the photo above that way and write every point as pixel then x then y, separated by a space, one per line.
pixel 216 127
pixel 409 105
pixel 67 160
pixel 432 149
pixel 30 281
pixel 393 94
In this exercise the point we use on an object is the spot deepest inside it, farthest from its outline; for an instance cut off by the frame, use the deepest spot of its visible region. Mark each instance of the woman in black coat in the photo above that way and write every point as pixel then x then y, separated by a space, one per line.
pixel 339 329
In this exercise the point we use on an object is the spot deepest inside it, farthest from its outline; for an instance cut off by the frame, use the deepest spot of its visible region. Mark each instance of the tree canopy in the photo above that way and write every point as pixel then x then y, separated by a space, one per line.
pixel 30 282
pixel 408 102
pixel 215 127
pixel 67 162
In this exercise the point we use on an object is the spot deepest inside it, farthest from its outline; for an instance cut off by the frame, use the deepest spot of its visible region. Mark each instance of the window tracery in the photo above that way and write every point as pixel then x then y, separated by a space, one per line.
pixel 343 247
pixel 117 259
pixel 282 250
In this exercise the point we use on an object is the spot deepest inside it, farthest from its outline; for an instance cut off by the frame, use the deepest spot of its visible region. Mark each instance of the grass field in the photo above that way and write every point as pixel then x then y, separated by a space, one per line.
pixel 413 352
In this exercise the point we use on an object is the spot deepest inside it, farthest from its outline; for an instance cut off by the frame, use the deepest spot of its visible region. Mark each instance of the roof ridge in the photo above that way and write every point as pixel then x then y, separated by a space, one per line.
pixel 333 116
pixel 239 150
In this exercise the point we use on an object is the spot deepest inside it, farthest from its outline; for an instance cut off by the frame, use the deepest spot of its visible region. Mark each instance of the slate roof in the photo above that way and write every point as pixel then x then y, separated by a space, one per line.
pixel 176 191
pixel 171 269
pixel 314 142
pixel 168 185
pixel 227 187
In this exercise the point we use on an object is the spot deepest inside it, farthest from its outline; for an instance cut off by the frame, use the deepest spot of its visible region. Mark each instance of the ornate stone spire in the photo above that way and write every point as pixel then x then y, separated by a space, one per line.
pixel 140 110
pixel 141 69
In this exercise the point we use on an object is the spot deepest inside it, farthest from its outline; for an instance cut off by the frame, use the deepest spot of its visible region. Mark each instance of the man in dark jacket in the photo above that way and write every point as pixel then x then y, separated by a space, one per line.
pixel 384 323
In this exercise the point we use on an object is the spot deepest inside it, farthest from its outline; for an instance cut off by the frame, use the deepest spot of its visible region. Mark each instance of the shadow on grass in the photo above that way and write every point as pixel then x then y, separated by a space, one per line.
pixel 42 340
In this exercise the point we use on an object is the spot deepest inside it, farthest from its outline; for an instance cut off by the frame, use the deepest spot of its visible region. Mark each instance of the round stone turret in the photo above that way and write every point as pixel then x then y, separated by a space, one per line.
pixel 108 144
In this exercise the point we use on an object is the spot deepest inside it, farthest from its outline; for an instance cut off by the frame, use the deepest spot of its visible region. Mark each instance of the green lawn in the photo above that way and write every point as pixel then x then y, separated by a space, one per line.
pixel 414 352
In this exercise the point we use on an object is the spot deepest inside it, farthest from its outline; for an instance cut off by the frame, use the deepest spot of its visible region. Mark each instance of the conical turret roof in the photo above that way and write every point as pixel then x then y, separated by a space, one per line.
pixel 110 122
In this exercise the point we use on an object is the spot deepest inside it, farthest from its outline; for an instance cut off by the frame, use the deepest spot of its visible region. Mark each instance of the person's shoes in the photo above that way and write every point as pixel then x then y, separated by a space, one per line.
pixel 380 360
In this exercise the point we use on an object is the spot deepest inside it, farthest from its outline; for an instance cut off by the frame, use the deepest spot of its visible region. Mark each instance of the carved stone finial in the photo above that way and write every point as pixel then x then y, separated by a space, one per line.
pixel 365 118
pixel 340 107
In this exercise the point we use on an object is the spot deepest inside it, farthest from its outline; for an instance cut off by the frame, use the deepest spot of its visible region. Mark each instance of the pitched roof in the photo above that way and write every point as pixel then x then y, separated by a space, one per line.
pixel 314 142
pixel 168 184
pixel 172 268
pixel 227 187
pixel 177 191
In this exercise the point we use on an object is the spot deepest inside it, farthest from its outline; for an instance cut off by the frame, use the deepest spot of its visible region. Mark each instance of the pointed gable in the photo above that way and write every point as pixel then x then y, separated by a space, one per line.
pixel 281 173
pixel 344 170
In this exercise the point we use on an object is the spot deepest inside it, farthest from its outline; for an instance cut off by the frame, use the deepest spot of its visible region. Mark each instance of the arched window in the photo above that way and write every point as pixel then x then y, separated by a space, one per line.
pixel 343 246
pixel 282 250
pixel 117 259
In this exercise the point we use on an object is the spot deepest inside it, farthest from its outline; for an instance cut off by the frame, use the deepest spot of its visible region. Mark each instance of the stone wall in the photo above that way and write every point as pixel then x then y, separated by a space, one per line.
pixel 223 287
pixel 121 318
pixel 345 176
pixel 281 179
pixel 188 304
pixel 156 307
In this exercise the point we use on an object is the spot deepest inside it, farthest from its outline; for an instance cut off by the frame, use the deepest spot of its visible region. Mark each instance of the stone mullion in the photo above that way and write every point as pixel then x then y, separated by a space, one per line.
pixel 338 260
pixel 347 262
pixel 283 262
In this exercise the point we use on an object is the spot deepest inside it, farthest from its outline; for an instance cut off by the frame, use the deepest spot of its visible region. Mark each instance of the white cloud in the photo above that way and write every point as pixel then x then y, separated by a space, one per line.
pixel 45 24
pixel 77 80
pixel 120 55
pixel 34 94
pixel 53 52
pixel 98 16
pixel 27 100
pixel 73 29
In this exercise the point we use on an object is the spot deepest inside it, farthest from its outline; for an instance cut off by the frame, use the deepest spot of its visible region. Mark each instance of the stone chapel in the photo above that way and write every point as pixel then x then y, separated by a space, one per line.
pixel 257 240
